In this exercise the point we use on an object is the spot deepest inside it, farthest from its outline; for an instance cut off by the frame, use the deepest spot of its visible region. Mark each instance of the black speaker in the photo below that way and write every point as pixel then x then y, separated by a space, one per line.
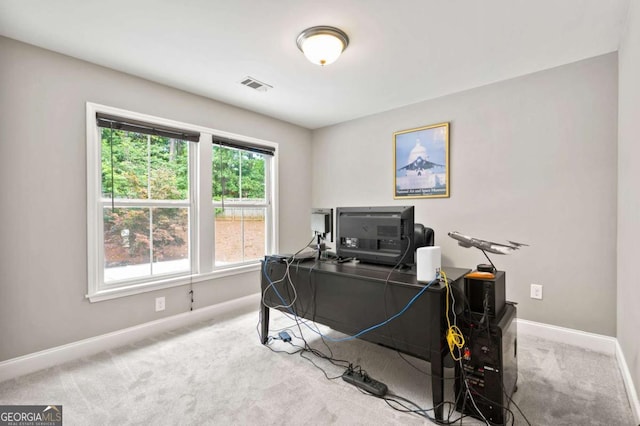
pixel 487 372
pixel 485 292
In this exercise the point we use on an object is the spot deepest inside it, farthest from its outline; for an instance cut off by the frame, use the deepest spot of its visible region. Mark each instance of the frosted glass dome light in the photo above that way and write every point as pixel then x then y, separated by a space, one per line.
pixel 322 45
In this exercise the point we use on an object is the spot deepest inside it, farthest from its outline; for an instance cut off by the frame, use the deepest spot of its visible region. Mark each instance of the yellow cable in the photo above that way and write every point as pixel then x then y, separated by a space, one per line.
pixel 454 335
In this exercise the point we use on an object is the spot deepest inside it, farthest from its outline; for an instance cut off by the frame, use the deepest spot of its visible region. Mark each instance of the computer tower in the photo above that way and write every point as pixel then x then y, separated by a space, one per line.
pixel 480 290
pixel 487 372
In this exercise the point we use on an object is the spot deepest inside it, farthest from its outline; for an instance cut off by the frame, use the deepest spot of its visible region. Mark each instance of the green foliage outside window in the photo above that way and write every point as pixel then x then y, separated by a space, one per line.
pixel 144 168
pixel 237 174
pixel 157 168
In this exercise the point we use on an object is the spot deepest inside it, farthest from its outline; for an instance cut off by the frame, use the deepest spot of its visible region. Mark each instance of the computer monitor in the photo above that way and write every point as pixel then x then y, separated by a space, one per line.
pixel 322 223
pixel 322 227
pixel 382 235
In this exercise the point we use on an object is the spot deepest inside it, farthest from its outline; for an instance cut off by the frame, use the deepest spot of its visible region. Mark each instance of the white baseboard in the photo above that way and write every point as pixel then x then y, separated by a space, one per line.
pixel 595 342
pixel 36 361
pixel 628 383
pixel 581 339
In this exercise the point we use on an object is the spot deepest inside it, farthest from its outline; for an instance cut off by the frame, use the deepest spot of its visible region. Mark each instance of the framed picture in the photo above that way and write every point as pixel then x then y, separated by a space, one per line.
pixel 421 162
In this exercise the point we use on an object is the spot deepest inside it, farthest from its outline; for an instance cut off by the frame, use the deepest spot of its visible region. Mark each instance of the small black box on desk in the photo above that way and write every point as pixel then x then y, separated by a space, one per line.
pixel 488 288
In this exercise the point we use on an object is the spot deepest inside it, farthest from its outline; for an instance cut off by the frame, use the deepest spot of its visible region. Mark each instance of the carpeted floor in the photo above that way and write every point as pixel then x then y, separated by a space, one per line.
pixel 217 372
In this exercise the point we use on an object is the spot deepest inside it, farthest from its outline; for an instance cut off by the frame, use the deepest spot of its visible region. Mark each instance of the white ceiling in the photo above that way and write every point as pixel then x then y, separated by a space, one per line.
pixel 401 52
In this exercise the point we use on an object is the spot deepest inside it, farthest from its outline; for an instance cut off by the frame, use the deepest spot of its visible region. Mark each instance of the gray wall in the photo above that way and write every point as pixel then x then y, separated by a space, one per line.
pixel 629 195
pixel 533 159
pixel 43 269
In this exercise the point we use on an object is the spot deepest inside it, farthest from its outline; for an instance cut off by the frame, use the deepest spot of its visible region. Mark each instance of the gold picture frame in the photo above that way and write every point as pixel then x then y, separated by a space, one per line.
pixel 421 162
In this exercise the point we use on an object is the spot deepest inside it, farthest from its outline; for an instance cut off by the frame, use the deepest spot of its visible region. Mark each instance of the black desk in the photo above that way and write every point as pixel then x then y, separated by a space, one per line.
pixel 352 297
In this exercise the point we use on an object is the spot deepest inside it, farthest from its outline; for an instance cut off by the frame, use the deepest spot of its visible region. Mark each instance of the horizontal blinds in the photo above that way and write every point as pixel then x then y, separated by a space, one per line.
pixel 247 146
pixel 120 123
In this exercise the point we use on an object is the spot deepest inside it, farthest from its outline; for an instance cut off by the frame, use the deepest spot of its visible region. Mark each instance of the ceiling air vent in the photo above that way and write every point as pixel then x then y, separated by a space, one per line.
pixel 255 84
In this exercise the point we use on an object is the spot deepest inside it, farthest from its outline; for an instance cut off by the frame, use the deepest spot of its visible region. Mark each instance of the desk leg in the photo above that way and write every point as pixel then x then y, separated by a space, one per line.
pixel 264 321
pixel 437 320
pixel 437 383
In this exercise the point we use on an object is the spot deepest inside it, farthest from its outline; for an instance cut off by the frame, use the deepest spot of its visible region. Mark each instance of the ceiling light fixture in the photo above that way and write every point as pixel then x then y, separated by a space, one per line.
pixel 322 45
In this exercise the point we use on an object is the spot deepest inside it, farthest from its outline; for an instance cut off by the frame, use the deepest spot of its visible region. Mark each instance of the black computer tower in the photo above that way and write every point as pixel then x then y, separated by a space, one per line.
pixel 485 291
pixel 487 372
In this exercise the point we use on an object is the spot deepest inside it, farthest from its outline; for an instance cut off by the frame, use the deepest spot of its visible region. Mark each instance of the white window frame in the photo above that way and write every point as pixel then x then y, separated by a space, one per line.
pixel 202 232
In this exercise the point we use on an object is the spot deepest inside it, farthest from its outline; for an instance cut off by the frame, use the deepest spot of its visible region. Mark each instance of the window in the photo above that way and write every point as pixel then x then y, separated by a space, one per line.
pixel 151 182
pixel 240 181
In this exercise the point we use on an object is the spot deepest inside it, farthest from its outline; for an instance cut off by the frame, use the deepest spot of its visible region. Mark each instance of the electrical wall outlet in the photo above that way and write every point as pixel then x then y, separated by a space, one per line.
pixel 159 304
pixel 536 291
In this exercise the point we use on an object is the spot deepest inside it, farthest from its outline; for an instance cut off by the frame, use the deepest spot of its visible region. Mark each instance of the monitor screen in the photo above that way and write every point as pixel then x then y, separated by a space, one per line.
pixel 382 235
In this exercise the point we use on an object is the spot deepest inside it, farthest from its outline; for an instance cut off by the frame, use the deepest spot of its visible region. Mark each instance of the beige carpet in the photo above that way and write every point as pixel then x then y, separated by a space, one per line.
pixel 218 373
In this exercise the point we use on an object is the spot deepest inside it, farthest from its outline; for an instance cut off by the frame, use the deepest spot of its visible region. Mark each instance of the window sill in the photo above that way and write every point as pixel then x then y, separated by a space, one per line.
pixel 114 293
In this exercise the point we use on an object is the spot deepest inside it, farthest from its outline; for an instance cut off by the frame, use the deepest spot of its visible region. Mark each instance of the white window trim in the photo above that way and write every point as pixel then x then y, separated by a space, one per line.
pixel 201 226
